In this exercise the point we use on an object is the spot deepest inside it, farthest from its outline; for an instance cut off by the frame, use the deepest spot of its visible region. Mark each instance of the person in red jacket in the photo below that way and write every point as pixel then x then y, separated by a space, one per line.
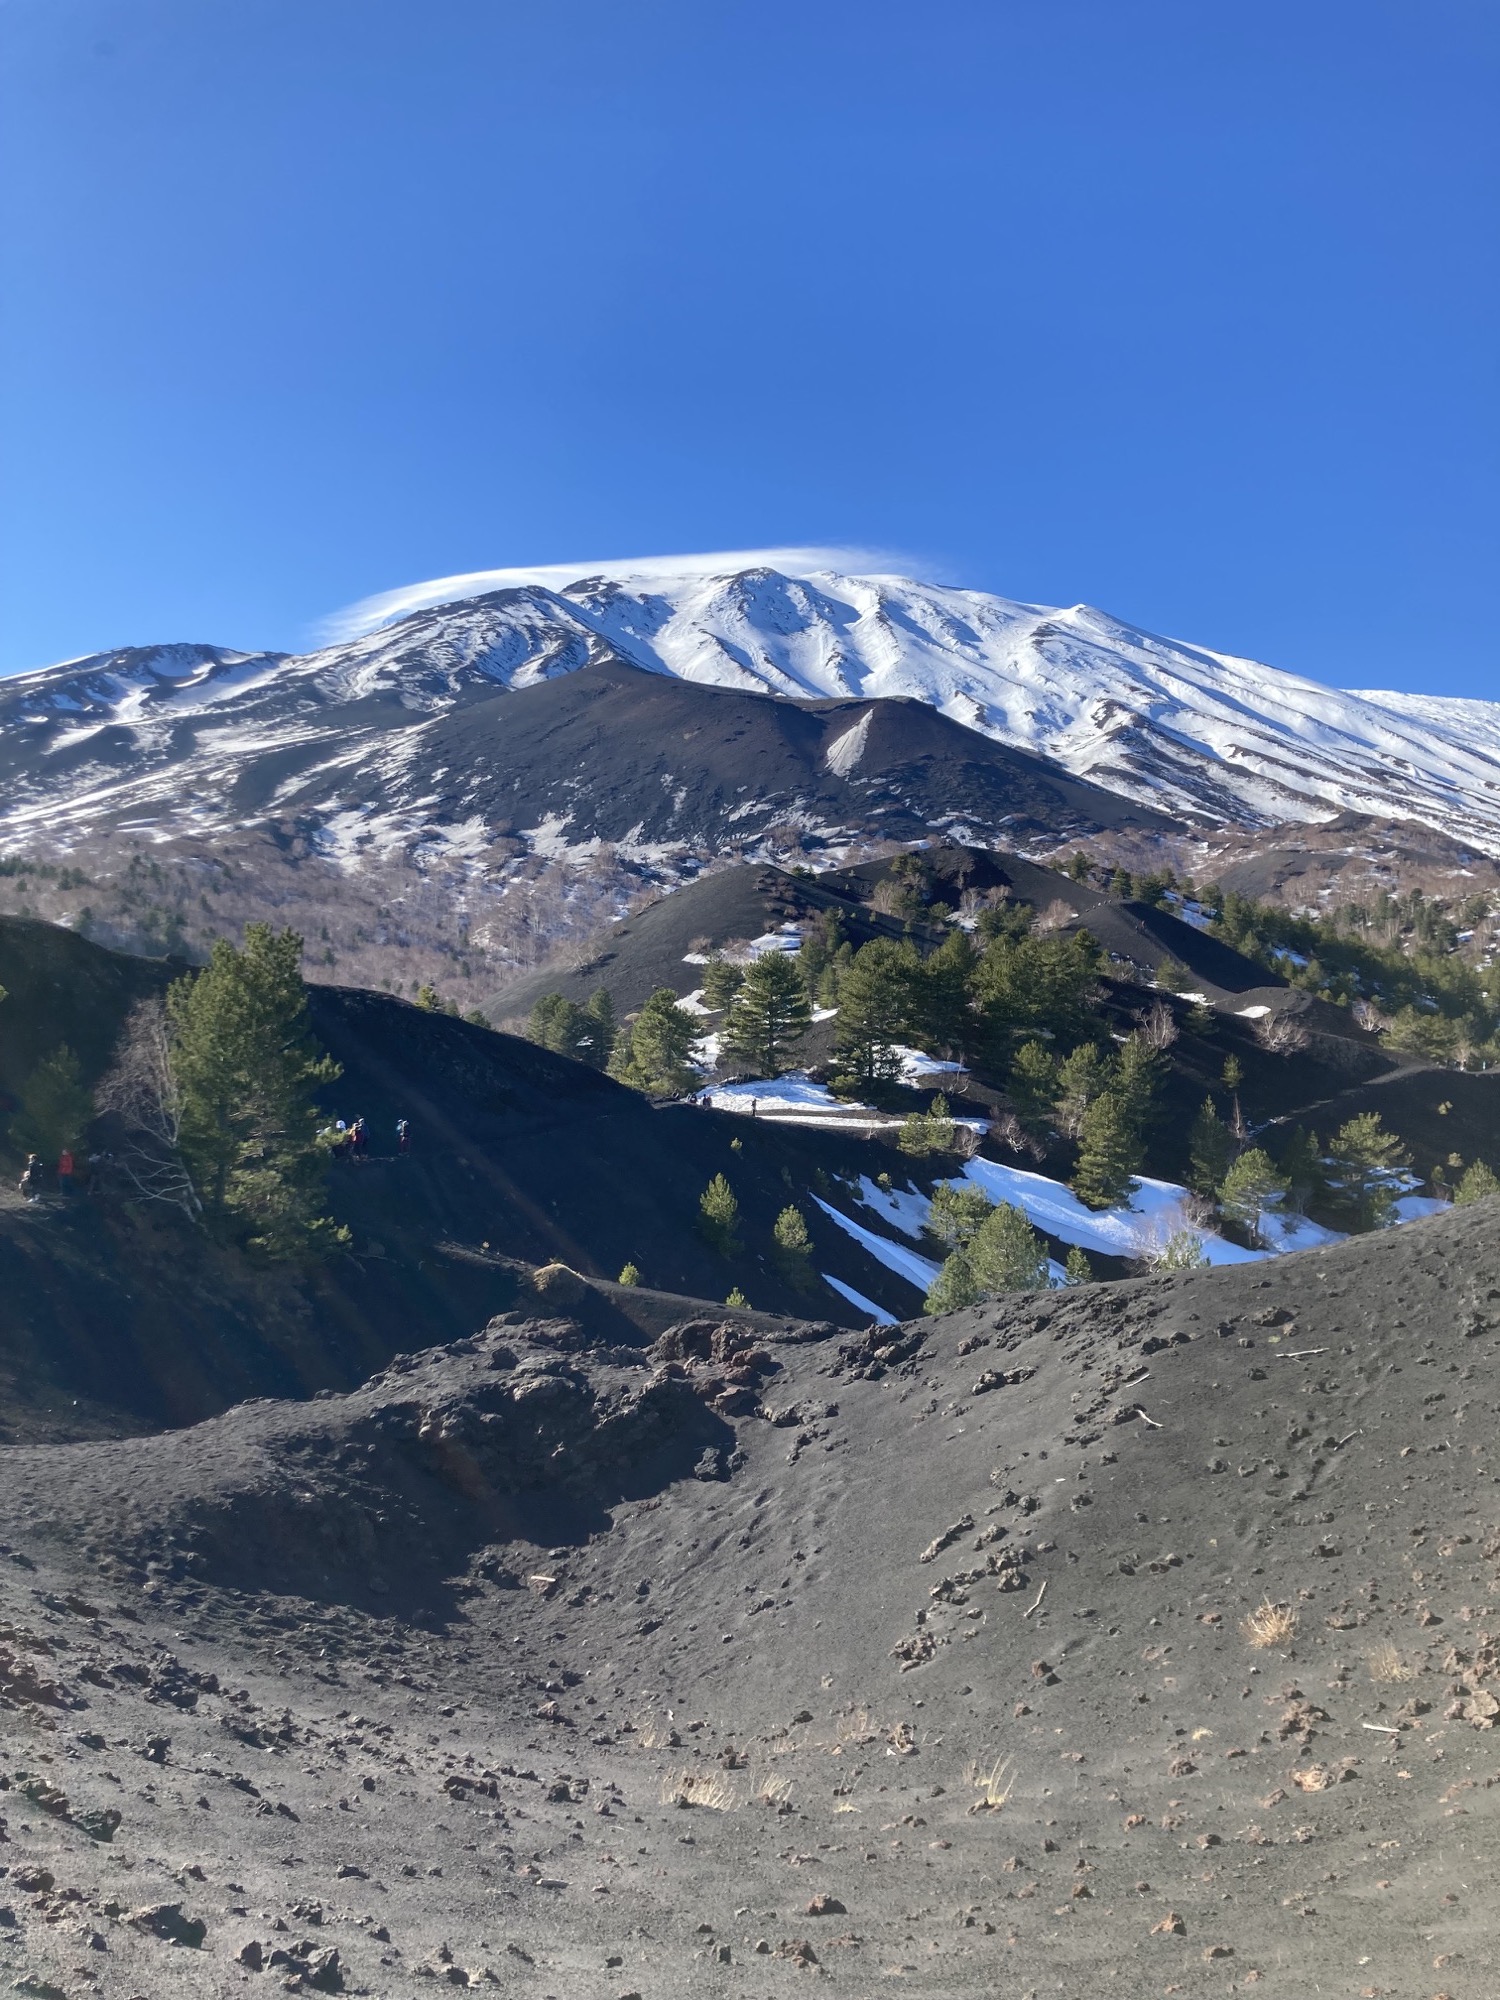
pixel 65 1171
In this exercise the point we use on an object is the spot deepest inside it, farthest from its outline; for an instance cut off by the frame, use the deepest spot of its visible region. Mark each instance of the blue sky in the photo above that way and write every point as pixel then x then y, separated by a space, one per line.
pixel 1186 311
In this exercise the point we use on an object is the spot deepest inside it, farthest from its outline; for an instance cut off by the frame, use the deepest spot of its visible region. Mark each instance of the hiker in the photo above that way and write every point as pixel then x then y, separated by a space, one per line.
pixel 65 1171
pixel 358 1138
pixel 31 1177
pixel 403 1136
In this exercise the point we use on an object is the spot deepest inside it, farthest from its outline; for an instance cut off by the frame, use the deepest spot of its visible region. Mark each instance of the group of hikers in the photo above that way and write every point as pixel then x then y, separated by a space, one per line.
pixel 350 1139
pixel 346 1140
pixel 69 1174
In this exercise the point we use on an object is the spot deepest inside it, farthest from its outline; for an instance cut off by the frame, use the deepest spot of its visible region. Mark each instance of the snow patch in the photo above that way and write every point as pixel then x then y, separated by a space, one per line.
pixel 858 1300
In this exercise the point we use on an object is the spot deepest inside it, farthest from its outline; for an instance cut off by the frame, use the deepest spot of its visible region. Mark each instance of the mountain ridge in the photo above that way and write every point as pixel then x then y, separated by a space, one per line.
pixel 1181 728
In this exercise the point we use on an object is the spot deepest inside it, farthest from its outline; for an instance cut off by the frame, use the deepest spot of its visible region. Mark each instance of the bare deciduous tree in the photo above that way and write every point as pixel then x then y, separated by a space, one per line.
pixel 1282 1034
pixel 1056 917
pixel 1159 1026
pixel 140 1089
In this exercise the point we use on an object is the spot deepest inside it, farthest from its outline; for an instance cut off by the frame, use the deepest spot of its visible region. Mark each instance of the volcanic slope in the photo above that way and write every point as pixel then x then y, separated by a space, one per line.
pixel 175 729
pixel 518 1158
pixel 1137 1638
pixel 664 943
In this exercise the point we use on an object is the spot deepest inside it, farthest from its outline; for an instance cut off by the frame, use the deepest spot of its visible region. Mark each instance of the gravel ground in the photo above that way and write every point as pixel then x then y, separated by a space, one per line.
pixel 918 1662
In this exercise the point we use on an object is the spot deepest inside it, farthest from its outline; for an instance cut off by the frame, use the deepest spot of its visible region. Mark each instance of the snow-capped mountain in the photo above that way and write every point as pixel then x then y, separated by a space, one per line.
pixel 197 736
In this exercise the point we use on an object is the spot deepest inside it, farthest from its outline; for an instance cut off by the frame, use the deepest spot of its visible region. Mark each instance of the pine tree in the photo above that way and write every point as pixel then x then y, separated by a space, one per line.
pixel 875 1004
pixel 1366 1169
pixel 1251 1188
pixel 629 1275
pixel 600 1029
pixel 1077 1270
pixel 721 981
pixel 1210 1150
pixel 1006 1254
pixel 651 1054
pixel 793 1245
pixel 1033 1084
pixel 942 1005
pixel 1477 1183
pixel 719 1216
pixel 956 1211
pixel 1107 1154
pixel 1139 1075
pixel 1080 1079
pixel 555 1023
pixel 246 1070
pixel 55 1106
pixel 738 1300
pixel 770 1015
pixel 954 1287
pixel 930 1131
pixel 1301 1167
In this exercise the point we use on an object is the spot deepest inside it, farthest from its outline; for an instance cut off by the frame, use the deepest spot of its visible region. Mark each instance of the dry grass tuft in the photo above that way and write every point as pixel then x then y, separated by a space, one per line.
pixel 994 1784
pixel 773 1791
pixel 699 1788
pixel 655 1732
pixel 1386 1664
pixel 1270 1625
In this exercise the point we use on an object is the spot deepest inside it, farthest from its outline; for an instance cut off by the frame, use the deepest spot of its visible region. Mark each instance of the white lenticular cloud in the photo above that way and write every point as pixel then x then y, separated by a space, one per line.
pixel 371 612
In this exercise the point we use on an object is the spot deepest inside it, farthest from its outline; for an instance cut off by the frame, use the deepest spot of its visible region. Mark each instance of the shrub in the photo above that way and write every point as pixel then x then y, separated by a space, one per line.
pixel 737 1298
pixel 1270 1625
pixel 629 1275
pixel 1182 1250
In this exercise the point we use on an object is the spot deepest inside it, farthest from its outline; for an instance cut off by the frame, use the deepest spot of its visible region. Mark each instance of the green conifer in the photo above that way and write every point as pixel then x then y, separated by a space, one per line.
pixel 1077 1270
pixel 1006 1254
pixel 719 1216
pixel 1477 1183
pixel 1108 1154
pixel 769 1016
pixel 1210 1150
pixel 246 1070
pixel 54 1106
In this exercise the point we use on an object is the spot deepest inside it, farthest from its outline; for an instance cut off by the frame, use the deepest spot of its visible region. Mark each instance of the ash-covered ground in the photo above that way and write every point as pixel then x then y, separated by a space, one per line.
pixel 918 1662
